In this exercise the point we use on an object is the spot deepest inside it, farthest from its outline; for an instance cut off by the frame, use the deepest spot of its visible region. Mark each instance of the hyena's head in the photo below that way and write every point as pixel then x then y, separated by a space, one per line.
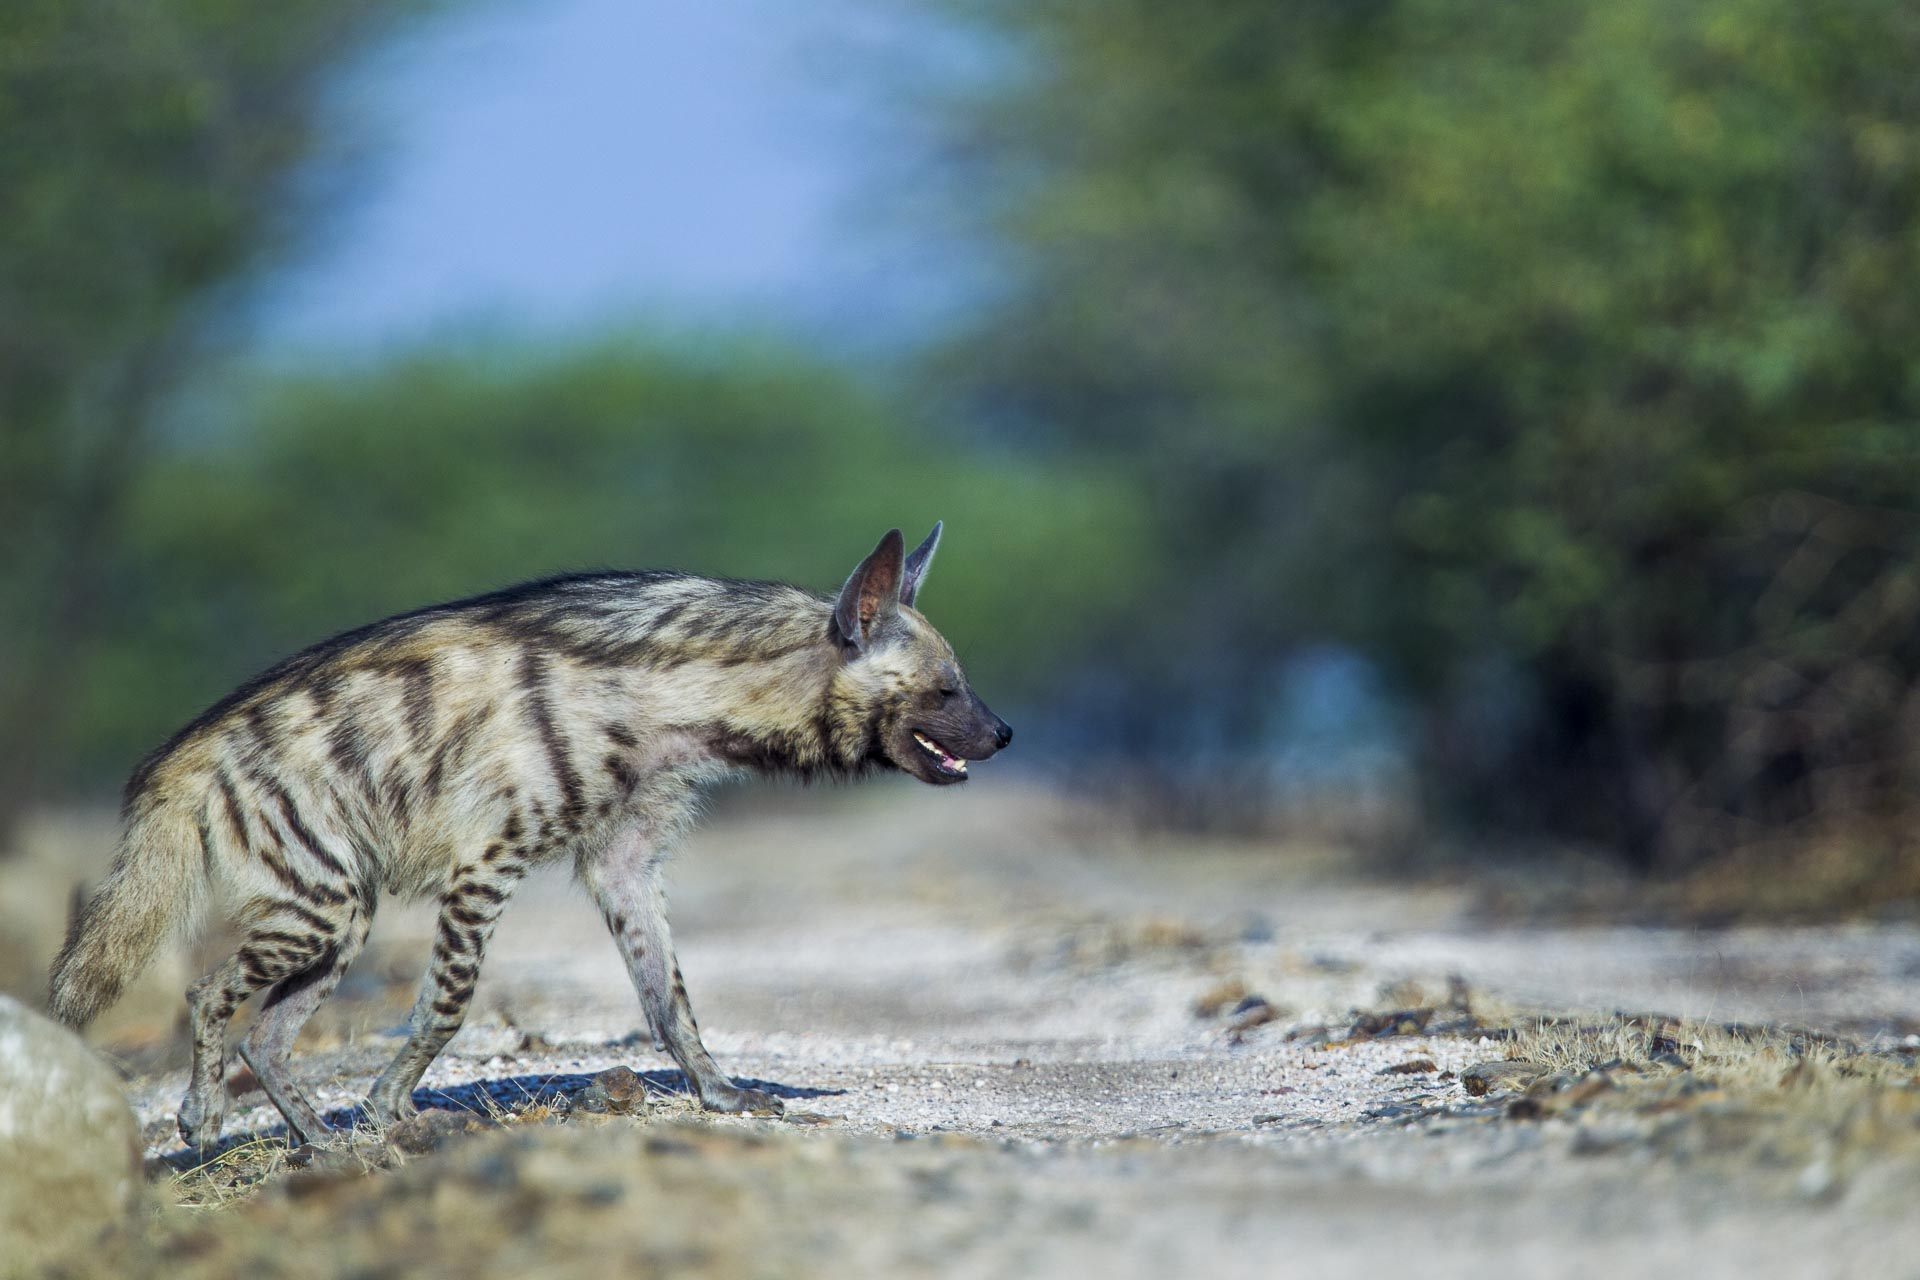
pixel 899 676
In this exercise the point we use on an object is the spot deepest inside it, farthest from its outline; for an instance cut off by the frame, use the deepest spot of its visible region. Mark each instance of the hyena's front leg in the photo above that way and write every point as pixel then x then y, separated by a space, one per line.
pixel 472 904
pixel 626 881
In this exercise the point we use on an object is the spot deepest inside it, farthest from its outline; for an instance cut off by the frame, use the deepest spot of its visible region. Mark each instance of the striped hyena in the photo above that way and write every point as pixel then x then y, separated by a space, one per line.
pixel 445 752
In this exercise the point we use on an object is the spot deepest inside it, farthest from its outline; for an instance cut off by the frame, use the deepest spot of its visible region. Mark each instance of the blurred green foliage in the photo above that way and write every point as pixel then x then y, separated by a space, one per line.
pixel 1559 358
pixel 1562 357
pixel 326 500
pixel 144 151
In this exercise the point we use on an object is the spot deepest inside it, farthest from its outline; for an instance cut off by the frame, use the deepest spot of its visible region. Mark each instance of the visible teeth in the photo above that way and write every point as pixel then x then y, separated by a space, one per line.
pixel 949 762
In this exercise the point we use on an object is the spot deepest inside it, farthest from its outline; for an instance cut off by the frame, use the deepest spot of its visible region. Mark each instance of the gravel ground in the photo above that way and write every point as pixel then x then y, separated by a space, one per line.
pixel 981 1007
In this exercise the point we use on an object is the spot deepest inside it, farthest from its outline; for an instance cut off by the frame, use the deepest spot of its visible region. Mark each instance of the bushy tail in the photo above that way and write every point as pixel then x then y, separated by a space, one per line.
pixel 156 885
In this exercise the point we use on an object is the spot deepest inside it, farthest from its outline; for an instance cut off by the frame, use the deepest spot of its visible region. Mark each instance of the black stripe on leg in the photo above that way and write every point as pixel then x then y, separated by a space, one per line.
pixel 455 942
pixel 485 892
pixel 454 975
pixel 294 941
pixel 280 906
pixel 460 914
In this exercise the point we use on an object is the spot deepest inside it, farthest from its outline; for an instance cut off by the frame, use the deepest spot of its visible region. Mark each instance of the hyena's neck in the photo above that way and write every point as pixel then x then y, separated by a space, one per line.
pixel 750 671
pixel 782 720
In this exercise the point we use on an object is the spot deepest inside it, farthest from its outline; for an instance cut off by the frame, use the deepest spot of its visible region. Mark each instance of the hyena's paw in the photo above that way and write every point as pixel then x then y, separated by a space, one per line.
pixel 200 1122
pixel 736 1100
pixel 390 1106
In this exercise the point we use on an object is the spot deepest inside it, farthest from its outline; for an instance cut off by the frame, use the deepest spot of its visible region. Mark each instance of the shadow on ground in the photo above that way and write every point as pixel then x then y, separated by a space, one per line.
pixel 482 1097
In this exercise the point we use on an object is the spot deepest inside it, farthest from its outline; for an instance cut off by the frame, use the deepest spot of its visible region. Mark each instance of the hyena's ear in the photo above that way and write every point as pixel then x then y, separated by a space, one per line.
pixel 916 570
pixel 871 593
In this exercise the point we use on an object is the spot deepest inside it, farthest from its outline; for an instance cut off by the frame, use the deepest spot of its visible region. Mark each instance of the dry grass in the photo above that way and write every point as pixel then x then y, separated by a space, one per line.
pixel 228 1177
pixel 238 1173
pixel 1761 1095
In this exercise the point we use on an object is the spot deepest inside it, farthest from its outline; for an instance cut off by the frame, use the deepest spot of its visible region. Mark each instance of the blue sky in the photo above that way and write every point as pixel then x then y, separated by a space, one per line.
pixel 560 163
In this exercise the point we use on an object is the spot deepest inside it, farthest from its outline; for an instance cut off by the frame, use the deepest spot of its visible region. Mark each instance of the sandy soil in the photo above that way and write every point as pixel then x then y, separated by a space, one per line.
pixel 1007 1035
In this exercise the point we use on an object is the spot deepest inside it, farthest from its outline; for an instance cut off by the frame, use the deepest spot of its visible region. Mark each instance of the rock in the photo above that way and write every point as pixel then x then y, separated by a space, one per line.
pixel 1411 1067
pixel 1487 1077
pixel 1466 1026
pixel 336 1159
pixel 1586 1089
pixel 70 1165
pixel 1250 1013
pixel 430 1130
pixel 1256 928
pixel 615 1091
pixel 1401 1022
pixel 1591 1140
pixel 1219 997
pixel 1543 1086
pixel 1817 1181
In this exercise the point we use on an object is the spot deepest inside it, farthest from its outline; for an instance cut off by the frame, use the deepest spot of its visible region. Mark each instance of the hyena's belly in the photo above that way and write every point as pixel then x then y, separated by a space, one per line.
pixel 521 811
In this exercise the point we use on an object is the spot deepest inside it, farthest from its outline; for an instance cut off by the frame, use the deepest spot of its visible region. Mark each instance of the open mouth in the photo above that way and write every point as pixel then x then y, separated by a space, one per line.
pixel 943 760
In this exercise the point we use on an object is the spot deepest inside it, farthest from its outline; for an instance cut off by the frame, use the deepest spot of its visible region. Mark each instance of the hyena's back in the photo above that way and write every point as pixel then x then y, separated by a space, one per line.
pixel 466 740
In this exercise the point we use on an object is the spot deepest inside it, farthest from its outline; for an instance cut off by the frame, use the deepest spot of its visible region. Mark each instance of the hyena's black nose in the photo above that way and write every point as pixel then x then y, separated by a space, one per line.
pixel 1003 735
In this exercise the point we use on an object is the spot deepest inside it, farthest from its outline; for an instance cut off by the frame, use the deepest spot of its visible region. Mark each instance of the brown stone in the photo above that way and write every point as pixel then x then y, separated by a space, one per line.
pixel 430 1130
pixel 1489 1077
pixel 615 1091
pixel 1219 998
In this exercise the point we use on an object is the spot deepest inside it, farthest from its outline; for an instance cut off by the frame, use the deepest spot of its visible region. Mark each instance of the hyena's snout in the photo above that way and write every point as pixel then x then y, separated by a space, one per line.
pixel 941 745
pixel 1002 732
pixel 989 733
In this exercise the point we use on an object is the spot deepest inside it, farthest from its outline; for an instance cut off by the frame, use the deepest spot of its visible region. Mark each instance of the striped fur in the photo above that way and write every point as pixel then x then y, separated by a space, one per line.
pixel 446 752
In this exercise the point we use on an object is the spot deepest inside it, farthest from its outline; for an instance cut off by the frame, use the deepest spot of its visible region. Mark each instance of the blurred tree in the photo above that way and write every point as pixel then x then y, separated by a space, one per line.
pixel 1562 357
pixel 318 502
pixel 145 147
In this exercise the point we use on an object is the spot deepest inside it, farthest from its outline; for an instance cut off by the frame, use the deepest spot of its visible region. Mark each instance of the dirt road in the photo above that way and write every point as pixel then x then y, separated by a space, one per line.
pixel 1016 1040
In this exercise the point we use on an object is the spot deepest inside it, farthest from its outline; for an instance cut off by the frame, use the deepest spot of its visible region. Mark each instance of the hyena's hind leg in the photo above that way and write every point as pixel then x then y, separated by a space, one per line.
pixel 286 941
pixel 468 910
pixel 627 881
pixel 286 1009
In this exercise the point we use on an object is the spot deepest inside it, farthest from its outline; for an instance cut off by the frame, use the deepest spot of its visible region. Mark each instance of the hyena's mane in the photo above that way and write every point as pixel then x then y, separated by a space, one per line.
pixel 610 618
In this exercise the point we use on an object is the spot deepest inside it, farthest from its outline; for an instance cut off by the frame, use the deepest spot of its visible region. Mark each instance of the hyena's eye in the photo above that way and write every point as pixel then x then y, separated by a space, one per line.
pixel 947 692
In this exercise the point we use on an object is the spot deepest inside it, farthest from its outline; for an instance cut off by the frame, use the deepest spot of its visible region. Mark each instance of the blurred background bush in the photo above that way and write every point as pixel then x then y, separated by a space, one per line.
pixel 1503 412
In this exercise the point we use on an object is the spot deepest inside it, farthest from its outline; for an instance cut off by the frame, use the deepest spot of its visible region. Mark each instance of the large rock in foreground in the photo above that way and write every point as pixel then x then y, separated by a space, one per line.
pixel 69 1145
